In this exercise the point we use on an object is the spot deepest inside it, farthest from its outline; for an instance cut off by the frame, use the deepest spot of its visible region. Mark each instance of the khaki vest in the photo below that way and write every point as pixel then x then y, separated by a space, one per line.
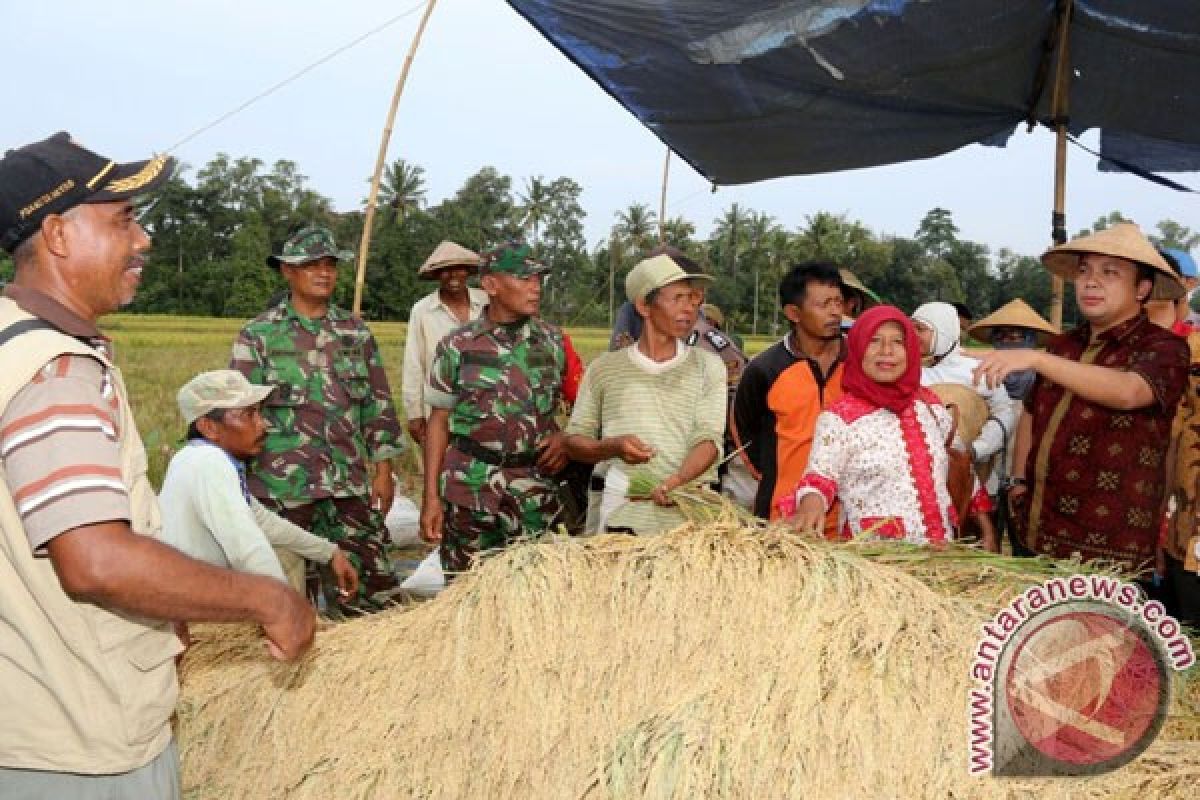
pixel 82 689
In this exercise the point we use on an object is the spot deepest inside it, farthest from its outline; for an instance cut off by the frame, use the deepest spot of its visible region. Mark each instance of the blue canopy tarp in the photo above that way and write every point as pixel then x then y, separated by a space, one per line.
pixel 746 90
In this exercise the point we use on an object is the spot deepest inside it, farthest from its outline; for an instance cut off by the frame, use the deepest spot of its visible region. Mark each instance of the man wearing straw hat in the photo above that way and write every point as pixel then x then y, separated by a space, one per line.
pixel 332 427
pixel 87 653
pixel 453 305
pixel 493 443
pixel 1014 326
pixel 1091 446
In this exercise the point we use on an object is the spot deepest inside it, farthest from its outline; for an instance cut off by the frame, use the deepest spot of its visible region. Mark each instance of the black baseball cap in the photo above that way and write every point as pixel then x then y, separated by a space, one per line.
pixel 57 174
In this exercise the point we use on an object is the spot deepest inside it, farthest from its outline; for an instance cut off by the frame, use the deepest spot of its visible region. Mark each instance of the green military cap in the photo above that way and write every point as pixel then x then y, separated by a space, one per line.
pixel 307 245
pixel 512 258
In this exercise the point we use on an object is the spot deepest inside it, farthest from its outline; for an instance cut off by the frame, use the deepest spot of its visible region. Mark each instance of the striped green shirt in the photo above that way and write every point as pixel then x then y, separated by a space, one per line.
pixel 672 411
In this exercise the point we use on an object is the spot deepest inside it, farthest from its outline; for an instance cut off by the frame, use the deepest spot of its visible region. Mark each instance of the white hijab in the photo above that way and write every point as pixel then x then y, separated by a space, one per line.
pixel 943 318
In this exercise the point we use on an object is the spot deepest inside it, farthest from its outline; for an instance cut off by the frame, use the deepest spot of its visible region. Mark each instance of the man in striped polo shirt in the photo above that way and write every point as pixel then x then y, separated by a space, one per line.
pixel 87 674
pixel 655 407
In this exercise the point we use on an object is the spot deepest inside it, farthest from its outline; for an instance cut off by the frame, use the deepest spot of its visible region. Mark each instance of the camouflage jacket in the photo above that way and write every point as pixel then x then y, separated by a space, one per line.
pixel 331 413
pixel 502 385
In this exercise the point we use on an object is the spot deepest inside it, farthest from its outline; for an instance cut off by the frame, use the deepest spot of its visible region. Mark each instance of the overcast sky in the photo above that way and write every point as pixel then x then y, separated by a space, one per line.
pixel 131 77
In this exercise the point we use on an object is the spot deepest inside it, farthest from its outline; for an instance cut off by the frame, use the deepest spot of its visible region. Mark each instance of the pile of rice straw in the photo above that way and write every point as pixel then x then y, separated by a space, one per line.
pixel 711 662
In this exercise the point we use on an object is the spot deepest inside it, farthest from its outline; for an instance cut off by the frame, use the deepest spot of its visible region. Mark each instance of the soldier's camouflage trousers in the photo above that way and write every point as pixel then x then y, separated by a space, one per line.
pixel 357 529
pixel 467 531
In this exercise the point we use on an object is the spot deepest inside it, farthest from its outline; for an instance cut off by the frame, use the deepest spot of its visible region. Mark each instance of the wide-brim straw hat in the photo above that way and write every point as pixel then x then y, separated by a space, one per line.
pixel 448 254
pixel 1123 240
pixel 1015 314
pixel 972 411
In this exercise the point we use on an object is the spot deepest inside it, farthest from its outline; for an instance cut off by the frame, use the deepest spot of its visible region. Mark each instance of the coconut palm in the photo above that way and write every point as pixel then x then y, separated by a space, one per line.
pixel 636 226
pixel 536 204
pixel 402 189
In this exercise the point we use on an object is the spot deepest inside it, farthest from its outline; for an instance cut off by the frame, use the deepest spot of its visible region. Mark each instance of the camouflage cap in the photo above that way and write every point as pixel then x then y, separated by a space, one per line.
pixel 220 388
pixel 307 245
pixel 512 258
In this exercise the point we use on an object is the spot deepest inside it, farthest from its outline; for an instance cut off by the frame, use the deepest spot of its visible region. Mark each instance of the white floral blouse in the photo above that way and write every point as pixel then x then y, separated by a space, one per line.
pixel 888 470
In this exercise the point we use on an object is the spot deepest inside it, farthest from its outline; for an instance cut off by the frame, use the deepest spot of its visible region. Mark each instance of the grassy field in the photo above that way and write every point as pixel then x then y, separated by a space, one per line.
pixel 158 354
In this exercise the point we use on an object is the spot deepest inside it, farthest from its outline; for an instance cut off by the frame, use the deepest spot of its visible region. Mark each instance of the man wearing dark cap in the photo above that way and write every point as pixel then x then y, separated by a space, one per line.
pixel 492 441
pixel 332 426
pixel 87 661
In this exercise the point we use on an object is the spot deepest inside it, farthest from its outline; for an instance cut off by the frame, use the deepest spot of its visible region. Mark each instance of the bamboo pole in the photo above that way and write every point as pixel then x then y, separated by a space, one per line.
pixel 1059 104
pixel 662 203
pixel 364 246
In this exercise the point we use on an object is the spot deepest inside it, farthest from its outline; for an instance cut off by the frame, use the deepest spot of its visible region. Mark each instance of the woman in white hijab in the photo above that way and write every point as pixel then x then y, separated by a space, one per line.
pixel 938 328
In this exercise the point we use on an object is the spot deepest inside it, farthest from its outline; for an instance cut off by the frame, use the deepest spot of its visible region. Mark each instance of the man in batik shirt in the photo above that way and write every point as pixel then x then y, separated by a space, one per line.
pixel 1090 453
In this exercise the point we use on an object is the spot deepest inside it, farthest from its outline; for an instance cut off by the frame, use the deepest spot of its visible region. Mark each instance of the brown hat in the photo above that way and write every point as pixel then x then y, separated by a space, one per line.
pixel 851 281
pixel 448 254
pixel 972 410
pixel 1123 240
pixel 1015 314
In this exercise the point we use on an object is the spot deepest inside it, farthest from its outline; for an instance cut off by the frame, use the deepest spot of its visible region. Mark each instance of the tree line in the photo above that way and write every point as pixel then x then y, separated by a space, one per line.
pixel 212 232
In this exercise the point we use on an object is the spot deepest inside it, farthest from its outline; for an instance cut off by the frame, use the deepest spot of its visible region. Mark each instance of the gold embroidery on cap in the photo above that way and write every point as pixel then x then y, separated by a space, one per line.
pixel 107 168
pixel 47 198
pixel 142 177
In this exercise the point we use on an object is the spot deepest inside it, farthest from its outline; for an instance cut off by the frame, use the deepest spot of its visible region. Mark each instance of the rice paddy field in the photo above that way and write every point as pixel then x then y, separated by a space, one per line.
pixel 720 660
pixel 158 354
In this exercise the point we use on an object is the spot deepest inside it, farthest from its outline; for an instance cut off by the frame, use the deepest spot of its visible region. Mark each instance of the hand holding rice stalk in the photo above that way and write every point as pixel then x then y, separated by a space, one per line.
pixel 696 501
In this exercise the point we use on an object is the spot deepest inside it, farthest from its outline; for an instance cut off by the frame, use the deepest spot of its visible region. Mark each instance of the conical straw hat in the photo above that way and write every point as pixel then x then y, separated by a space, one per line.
pixel 972 410
pixel 1123 240
pixel 448 254
pixel 851 280
pixel 1015 314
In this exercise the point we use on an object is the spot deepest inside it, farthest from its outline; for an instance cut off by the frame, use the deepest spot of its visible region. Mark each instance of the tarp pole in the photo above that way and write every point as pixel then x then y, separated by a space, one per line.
pixel 1059 108
pixel 360 276
pixel 662 203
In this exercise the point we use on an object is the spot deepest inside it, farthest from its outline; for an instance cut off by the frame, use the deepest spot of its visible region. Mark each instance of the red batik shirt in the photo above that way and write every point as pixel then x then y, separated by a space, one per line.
pixel 1097 474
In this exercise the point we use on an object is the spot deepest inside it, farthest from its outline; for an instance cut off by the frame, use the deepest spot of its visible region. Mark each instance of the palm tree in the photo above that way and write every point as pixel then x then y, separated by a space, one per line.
pixel 635 225
pixel 781 247
pixel 678 232
pixel 758 230
pixel 728 231
pixel 536 204
pixel 402 189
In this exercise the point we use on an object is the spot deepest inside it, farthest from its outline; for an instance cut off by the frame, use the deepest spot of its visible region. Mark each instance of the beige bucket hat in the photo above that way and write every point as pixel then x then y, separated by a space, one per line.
pixel 1123 240
pixel 220 388
pixel 448 254
pixel 655 273
pixel 1014 314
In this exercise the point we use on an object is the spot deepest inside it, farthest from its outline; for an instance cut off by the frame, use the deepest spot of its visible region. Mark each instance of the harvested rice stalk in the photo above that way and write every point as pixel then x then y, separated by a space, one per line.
pixel 716 661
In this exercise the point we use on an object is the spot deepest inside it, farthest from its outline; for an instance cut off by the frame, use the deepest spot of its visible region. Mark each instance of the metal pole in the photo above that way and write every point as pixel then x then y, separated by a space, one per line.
pixel 364 246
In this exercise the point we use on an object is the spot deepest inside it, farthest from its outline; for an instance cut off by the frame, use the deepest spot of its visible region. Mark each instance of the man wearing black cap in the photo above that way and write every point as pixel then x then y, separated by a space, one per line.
pixel 87 674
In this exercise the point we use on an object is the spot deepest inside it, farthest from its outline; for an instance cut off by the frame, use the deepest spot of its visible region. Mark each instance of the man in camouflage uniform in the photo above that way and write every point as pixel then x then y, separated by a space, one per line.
pixel 332 427
pixel 492 439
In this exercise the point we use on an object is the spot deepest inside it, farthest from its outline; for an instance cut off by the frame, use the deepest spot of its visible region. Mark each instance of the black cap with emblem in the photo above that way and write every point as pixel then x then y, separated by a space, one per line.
pixel 57 174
